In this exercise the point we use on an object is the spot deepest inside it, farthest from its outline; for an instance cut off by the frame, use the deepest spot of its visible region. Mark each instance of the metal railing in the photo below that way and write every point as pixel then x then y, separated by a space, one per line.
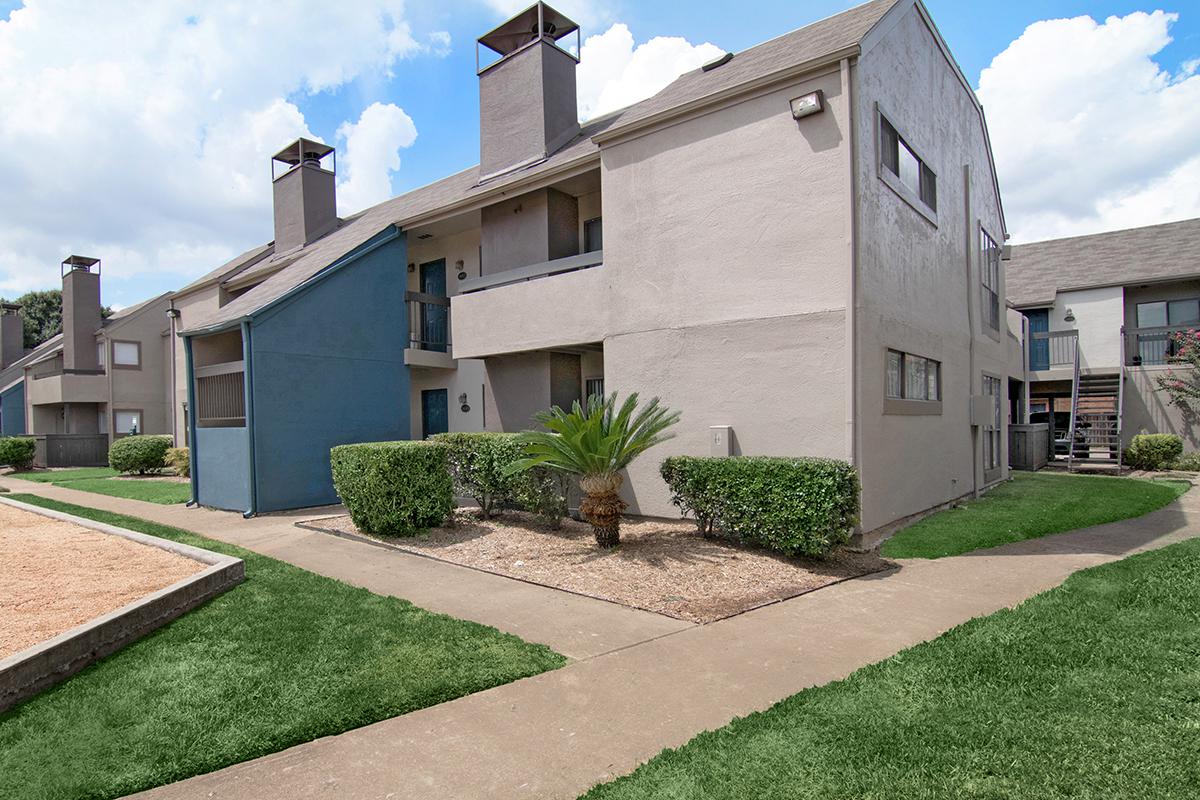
pixel 1074 403
pixel 1153 346
pixel 221 395
pixel 1053 349
pixel 428 321
pixel 533 271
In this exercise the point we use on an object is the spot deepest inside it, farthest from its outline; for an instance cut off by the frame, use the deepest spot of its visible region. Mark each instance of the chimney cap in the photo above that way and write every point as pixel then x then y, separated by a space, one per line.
pixel 82 263
pixel 9 308
pixel 523 29
pixel 302 150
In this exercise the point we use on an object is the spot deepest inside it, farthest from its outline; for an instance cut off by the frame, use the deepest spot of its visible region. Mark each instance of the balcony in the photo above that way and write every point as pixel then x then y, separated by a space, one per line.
pixel 1148 347
pixel 532 272
pixel 51 383
pixel 428 331
pixel 1052 350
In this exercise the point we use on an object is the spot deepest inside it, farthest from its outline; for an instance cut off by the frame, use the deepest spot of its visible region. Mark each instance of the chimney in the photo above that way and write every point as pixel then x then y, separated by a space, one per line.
pixel 305 194
pixel 527 106
pixel 12 335
pixel 80 312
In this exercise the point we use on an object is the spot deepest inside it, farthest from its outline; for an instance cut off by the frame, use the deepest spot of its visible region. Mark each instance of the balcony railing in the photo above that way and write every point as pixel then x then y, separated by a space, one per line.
pixel 1152 346
pixel 533 271
pixel 54 367
pixel 1052 350
pixel 428 322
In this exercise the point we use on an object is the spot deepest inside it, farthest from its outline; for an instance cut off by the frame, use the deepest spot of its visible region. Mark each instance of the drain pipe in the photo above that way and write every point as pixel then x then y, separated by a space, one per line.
pixel 248 379
pixel 972 430
pixel 852 443
pixel 191 396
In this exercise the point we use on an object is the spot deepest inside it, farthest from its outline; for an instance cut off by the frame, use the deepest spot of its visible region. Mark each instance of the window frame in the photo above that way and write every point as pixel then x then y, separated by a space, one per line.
pixel 923 198
pixel 989 296
pixel 113 354
pixel 904 404
pixel 593 379
pixel 993 432
pixel 139 416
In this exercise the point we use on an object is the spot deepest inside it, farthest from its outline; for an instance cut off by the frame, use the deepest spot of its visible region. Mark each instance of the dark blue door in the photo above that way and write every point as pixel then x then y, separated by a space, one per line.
pixel 435 413
pixel 1039 349
pixel 434 318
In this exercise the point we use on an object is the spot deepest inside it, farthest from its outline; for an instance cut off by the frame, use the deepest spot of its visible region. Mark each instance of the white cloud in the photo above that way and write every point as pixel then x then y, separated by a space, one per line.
pixel 614 73
pixel 372 154
pixel 1089 133
pixel 148 143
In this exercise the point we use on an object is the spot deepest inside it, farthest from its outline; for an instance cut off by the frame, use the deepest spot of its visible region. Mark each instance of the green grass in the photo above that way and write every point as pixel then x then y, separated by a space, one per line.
pixel 146 489
pixel 61 475
pixel 1089 691
pixel 286 657
pixel 1032 504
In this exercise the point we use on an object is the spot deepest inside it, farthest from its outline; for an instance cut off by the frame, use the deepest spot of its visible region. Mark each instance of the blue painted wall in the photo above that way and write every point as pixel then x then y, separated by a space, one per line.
pixel 222 465
pixel 328 369
pixel 12 411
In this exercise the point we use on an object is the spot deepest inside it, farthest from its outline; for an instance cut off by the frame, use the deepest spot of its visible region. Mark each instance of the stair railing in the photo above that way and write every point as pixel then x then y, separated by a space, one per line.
pixel 1074 409
pixel 1121 408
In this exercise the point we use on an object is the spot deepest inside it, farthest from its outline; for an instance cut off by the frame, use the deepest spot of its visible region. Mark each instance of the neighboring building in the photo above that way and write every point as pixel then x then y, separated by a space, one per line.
pixel 97 381
pixel 798 246
pixel 1108 303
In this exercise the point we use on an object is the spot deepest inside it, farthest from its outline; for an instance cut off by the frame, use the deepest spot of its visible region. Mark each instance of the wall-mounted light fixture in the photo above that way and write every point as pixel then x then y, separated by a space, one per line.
pixel 462 273
pixel 173 312
pixel 1069 316
pixel 808 104
pixel 462 403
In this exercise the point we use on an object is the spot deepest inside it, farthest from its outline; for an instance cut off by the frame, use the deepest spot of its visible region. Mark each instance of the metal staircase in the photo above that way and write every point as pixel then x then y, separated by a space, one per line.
pixel 1097 401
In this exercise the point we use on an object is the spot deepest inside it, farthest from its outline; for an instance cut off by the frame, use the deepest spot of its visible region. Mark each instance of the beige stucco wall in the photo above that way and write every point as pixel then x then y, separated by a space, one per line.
pixel 918 281
pixel 1099 314
pixel 142 389
pixel 1147 410
pixel 192 306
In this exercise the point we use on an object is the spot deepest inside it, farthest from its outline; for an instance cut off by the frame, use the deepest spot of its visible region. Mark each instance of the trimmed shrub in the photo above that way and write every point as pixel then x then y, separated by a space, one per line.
pixel 543 492
pixel 180 459
pixel 1153 450
pixel 478 464
pixel 394 488
pixel 17 452
pixel 139 454
pixel 798 506
pixel 1188 462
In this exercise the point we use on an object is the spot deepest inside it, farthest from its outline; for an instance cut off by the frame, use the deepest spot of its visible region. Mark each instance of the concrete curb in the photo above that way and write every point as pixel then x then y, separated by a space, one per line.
pixel 36 668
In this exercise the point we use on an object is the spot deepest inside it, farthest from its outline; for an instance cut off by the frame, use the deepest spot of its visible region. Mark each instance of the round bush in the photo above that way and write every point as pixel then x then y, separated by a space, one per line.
pixel 394 488
pixel 17 452
pixel 1154 451
pixel 140 455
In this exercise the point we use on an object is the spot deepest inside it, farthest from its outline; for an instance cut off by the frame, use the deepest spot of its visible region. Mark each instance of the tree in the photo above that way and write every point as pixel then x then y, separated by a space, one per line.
pixel 1181 381
pixel 595 443
pixel 43 315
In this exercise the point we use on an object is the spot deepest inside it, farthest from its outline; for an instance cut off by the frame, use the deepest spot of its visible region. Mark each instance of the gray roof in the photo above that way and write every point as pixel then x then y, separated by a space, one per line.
pixel 16 370
pixel 230 268
pixel 1037 271
pixel 802 46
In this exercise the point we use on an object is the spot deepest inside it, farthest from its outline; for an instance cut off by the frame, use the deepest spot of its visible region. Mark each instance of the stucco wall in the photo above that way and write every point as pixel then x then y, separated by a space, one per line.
pixel 192 306
pixel 469 379
pixel 918 280
pixel 1147 410
pixel 1099 315
pixel 221 460
pixel 142 389
pixel 518 386
pixel 343 381
pixel 12 411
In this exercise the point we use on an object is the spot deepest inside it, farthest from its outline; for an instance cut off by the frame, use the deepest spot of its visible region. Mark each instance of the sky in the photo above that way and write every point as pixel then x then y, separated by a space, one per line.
pixel 141 132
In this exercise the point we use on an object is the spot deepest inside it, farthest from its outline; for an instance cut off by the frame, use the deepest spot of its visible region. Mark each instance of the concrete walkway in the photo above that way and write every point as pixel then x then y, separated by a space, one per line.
pixel 557 734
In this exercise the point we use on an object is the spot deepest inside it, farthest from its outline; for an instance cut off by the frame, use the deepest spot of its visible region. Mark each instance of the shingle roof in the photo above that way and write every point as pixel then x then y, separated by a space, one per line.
pixel 1038 270
pixel 230 268
pixel 16 370
pixel 793 49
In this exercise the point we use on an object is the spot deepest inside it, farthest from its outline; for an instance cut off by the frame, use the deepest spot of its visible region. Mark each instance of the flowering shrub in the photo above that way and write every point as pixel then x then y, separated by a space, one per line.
pixel 1181 382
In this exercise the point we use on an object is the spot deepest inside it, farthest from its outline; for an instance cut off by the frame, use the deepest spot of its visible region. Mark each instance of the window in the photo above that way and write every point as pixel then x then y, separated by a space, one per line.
pixel 991 431
pixel 593 386
pixel 221 396
pixel 902 162
pixel 100 355
pixel 912 377
pixel 127 422
pixel 127 355
pixel 989 269
pixel 593 235
pixel 1168 312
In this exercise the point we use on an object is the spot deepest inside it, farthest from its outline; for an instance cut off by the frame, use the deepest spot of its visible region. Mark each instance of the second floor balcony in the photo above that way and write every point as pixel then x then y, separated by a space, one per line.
pixel 1052 350
pixel 1157 346
pixel 428 331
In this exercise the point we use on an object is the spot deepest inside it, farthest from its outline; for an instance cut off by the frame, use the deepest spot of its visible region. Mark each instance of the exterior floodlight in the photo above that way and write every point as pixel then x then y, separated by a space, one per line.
pixel 808 104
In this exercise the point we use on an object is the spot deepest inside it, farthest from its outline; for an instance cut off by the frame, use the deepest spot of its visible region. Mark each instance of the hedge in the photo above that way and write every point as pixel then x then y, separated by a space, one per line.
pixel 798 506
pixel 139 454
pixel 479 463
pixel 394 488
pixel 180 458
pixel 17 452
pixel 1153 450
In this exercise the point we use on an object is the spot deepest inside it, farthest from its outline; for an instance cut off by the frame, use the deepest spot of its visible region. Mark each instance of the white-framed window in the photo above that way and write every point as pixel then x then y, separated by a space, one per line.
pixel 911 377
pixel 991 431
pixel 126 422
pixel 898 158
pixel 989 278
pixel 593 386
pixel 127 354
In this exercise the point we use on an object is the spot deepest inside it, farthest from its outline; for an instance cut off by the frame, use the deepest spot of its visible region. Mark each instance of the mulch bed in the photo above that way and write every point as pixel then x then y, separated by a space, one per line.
pixel 661 566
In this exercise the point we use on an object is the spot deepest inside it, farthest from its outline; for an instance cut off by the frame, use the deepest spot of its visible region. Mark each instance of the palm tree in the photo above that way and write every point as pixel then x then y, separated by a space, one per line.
pixel 596 442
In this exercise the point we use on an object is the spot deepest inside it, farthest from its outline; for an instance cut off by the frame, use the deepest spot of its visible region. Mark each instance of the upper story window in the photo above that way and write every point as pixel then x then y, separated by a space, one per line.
pixel 593 235
pixel 989 277
pixel 906 171
pixel 1162 313
pixel 127 355
pixel 912 377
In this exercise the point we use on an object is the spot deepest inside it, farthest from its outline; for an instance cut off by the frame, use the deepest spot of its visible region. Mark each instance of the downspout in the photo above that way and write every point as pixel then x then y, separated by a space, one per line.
pixel 852 442
pixel 248 374
pixel 191 396
pixel 973 430
pixel 174 378
pixel 111 416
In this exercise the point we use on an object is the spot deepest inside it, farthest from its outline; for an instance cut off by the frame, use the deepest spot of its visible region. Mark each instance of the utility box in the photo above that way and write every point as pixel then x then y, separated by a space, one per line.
pixel 981 410
pixel 720 440
pixel 1028 446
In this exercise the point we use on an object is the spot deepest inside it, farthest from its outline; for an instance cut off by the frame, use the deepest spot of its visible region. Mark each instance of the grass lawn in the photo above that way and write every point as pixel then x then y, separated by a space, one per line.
pixel 1032 504
pixel 286 657
pixel 61 475
pixel 1088 691
pixel 151 491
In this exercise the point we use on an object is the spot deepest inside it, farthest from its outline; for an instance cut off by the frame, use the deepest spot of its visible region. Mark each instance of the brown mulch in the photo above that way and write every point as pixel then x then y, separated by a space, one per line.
pixel 55 575
pixel 661 566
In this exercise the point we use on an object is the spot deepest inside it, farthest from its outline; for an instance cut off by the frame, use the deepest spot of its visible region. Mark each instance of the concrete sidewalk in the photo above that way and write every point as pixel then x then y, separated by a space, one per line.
pixel 557 734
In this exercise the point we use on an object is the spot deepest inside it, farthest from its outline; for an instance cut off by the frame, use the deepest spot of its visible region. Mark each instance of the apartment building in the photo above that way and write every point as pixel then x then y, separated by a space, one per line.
pixel 798 246
pixel 98 380
pixel 1102 311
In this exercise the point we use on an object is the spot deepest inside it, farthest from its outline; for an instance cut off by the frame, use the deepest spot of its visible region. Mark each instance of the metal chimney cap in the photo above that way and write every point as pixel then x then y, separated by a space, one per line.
pixel 82 263
pixel 300 150
pixel 522 29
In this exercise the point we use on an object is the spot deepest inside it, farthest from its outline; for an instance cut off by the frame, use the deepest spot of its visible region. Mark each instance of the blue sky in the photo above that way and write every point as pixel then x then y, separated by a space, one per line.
pixel 151 151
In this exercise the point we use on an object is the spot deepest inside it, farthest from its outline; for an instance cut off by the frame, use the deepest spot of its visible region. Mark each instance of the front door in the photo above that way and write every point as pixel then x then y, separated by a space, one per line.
pixel 435 412
pixel 434 317
pixel 1039 349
